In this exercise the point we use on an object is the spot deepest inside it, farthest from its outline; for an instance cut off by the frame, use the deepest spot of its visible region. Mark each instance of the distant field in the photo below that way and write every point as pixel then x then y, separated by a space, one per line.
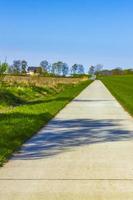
pixel 122 88
pixel 25 109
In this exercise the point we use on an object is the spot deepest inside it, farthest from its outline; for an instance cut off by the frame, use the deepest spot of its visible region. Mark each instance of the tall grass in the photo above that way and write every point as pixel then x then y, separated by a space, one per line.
pixel 41 81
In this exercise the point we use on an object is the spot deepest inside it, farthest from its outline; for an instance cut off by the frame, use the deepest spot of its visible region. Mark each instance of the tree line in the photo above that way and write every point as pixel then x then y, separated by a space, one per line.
pixel 98 70
pixel 115 71
pixel 59 69
pixel 45 68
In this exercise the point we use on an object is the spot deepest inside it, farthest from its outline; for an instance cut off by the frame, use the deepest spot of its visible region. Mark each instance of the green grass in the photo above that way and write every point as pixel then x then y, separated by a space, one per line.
pixel 122 88
pixel 13 95
pixel 36 107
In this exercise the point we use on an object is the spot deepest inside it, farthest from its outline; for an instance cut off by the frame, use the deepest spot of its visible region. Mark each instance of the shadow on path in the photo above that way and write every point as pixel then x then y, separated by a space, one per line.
pixel 62 135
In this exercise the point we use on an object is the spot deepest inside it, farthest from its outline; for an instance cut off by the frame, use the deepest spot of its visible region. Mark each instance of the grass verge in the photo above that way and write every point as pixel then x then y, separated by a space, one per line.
pixel 122 88
pixel 21 122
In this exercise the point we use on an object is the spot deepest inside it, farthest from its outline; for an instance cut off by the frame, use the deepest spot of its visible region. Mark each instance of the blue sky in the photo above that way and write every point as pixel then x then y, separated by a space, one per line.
pixel 74 31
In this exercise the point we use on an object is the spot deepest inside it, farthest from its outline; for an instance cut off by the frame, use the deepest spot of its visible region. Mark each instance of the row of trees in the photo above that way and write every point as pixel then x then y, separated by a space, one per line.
pixel 57 68
pixel 61 68
pixel 17 67
pixel 116 71
pixel 95 69
pixel 98 70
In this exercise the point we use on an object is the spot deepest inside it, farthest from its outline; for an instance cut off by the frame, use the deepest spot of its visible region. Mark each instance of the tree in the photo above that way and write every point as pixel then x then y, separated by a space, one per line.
pixel 45 65
pixel 16 66
pixel 128 71
pixel 3 69
pixel 117 71
pixel 92 70
pixel 77 69
pixel 54 68
pixel 74 69
pixel 60 68
pixel 80 69
pixel 105 72
pixel 24 65
pixel 65 69
pixel 10 69
pixel 98 68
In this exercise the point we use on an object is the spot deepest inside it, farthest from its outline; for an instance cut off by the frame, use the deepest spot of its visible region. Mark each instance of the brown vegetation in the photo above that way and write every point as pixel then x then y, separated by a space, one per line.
pixel 41 81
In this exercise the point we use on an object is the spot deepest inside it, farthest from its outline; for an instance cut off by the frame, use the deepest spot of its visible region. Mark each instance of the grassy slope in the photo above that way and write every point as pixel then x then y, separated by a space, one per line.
pixel 20 123
pixel 122 88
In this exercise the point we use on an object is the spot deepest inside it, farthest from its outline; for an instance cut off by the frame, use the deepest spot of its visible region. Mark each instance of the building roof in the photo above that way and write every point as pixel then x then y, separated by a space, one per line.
pixel 31 69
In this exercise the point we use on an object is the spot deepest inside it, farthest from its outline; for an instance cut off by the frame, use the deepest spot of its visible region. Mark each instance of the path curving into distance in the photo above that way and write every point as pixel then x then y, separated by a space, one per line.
pixel 84 153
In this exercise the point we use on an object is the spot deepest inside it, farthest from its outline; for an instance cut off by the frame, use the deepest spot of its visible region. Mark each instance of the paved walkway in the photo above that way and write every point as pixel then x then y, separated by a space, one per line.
pixel 84 153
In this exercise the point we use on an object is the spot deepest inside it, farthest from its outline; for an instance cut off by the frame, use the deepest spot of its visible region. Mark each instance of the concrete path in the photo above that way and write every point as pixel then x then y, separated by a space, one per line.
pixel 84 153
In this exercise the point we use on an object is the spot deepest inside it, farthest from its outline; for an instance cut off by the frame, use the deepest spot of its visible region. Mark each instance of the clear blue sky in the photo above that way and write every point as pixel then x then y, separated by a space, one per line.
pixel 75 31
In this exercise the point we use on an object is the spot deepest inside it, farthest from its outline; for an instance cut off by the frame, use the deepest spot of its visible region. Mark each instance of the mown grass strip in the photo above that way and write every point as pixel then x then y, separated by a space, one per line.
pixel 19 124
pixel 122 88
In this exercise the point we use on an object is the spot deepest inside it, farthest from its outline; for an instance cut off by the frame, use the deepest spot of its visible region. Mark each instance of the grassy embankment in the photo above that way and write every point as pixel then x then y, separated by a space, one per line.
pixel 25 109
pixel 122 88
